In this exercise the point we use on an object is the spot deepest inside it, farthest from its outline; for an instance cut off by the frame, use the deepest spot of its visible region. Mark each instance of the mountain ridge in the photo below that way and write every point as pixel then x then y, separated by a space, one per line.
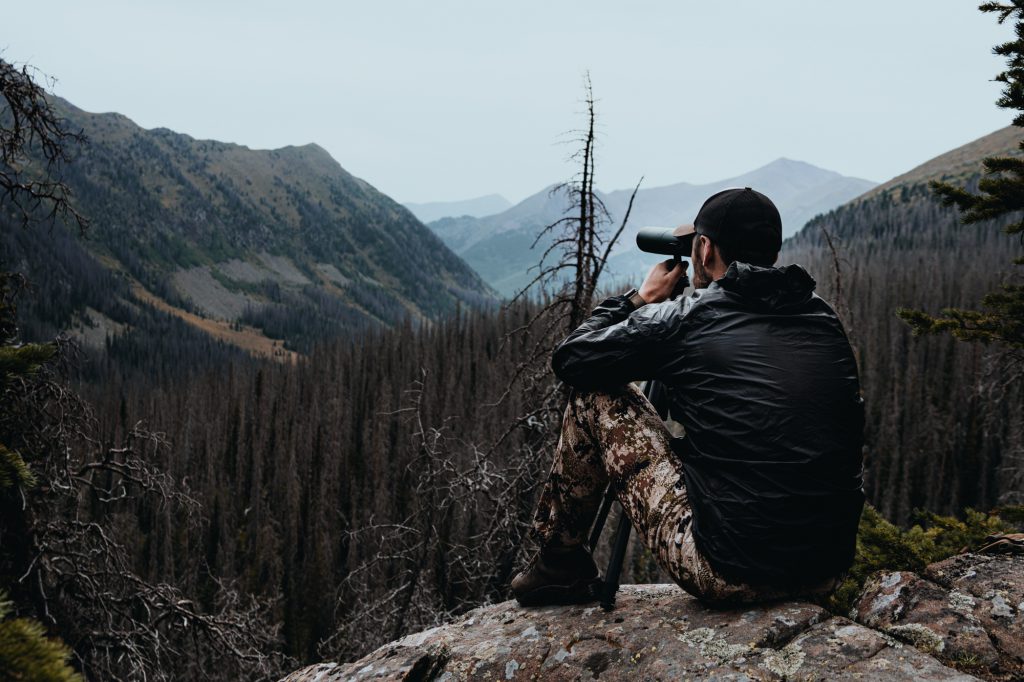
pixel 283 240
pixel 958 163
pixel 498 246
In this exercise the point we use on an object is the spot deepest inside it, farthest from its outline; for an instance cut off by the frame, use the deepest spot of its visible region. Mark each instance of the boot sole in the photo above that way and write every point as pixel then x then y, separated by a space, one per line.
pixel 580 592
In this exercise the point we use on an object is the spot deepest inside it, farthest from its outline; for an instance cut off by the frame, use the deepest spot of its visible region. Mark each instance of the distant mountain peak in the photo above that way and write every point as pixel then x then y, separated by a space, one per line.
pixel 499 246
pixel 794 168
pixel 786 161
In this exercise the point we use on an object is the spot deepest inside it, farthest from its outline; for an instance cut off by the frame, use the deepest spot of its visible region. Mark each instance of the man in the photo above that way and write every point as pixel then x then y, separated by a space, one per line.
pixel 761 498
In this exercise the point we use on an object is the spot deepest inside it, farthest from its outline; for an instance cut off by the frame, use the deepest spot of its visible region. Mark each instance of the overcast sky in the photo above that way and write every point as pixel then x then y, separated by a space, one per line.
pixel 446 99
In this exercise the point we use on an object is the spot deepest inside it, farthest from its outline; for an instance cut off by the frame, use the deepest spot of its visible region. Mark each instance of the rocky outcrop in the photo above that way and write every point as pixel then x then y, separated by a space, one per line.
pixel 967 611
pixel 962 613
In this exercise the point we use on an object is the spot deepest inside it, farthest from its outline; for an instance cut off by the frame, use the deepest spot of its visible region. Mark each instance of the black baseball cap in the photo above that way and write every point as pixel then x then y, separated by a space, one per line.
pixel 741 219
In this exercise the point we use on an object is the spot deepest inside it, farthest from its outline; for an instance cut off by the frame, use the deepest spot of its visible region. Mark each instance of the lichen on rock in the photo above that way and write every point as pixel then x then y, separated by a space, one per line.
pixel 961 611
pixel 658 632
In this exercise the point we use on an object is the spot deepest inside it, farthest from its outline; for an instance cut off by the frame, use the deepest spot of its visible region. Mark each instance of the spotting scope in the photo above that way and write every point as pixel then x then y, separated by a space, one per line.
pixel 663 240
pixel 668 241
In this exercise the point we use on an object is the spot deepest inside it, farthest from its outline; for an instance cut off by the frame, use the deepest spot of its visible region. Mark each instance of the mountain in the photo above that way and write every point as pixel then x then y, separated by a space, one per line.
pixel 476 208
pixel 498 246
pixel 284 241
pixel 960 164
pixel 943 418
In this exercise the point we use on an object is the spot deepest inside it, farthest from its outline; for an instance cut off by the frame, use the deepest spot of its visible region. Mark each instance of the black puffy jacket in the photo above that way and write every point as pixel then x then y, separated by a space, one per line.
pixel 758 370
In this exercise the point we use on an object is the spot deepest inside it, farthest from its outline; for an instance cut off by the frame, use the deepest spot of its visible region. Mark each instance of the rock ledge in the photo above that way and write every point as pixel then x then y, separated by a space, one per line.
pixel 963 612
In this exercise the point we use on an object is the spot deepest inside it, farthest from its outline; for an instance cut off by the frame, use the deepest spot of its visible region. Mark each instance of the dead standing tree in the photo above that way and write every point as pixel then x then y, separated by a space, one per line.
pixel 566 285
pixel 567 290
pixel 580 243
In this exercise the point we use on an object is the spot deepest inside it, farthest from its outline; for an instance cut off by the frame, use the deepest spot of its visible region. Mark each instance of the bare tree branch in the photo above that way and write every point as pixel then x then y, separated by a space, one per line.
pixel 35 143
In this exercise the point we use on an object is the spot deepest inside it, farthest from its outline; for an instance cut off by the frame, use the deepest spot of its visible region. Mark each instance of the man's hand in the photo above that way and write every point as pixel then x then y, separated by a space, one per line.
pixel 661 280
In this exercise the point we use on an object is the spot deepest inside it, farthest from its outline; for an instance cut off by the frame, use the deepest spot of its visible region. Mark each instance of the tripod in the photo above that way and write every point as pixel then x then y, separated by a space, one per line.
pixel 654 392
pixel 610 586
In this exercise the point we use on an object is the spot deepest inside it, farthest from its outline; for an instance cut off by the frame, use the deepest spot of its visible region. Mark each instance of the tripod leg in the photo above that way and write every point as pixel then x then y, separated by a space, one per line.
pixel 602 515
pixel 611 579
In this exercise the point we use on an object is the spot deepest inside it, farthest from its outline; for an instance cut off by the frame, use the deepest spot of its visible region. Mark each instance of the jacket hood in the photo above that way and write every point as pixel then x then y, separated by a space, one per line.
pixel 771 287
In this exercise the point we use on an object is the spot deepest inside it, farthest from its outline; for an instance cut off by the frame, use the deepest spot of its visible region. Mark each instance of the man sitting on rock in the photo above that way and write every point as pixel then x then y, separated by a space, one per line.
pixel 761 498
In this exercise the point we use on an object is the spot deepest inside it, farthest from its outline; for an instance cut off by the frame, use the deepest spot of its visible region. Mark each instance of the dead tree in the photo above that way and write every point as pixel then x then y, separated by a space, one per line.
pixel 35 144
pixel 568 286
pixel 580 245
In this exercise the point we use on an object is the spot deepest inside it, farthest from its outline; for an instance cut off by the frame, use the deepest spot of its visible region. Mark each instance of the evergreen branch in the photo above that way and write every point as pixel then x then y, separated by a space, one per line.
pixel 1001 321
pixel 26 653
pixel 23 361
pixel 1002 9
pixel 951 195
pixel 14 471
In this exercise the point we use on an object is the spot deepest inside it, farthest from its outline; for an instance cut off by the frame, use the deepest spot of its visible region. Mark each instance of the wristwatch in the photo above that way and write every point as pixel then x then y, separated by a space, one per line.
pixel 635 299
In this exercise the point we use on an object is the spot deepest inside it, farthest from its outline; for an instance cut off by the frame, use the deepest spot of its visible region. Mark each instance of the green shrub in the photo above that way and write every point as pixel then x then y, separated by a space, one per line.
pixel 883 546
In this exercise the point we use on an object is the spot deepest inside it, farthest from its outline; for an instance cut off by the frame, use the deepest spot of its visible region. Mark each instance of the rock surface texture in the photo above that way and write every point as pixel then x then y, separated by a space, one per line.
pixel 961 620
pixel 966 611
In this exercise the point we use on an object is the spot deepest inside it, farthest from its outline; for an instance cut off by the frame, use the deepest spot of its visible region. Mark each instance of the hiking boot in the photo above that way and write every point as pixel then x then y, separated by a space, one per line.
pixel 558 575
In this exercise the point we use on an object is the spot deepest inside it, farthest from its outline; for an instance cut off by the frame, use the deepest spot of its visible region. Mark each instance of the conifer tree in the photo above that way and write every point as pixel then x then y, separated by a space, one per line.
pixel 1001 193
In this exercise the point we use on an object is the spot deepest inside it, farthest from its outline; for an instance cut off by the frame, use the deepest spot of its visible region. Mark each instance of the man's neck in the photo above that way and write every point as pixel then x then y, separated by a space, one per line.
pixel 717 270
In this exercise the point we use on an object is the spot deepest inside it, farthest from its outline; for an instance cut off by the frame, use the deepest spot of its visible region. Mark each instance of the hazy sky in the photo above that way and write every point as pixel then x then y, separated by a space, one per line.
pixel 446 99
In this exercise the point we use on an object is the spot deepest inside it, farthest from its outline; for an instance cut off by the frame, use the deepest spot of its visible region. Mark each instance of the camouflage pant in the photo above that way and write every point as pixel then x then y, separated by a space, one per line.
pixel 616 436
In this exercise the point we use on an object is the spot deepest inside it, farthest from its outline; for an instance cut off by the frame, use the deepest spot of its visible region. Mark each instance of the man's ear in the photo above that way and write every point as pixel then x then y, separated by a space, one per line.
pixel 706 256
